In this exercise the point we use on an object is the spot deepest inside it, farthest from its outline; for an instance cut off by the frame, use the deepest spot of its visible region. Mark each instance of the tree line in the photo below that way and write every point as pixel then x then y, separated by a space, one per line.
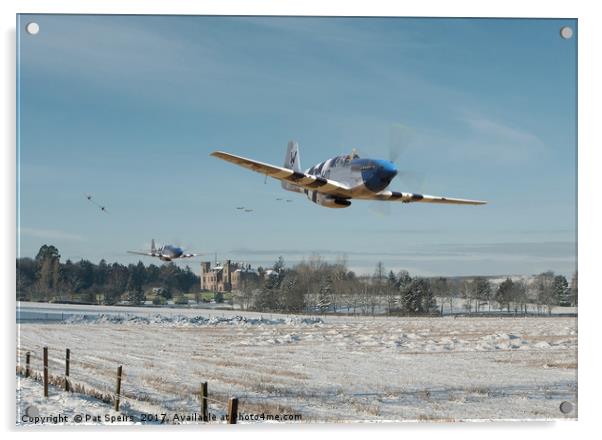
pixel 544 291
pixel 46 278
pixel 318 286
pixel 313 285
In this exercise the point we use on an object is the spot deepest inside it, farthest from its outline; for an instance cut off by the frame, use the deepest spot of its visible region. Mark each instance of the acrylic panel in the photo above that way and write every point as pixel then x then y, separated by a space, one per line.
pixel 228 219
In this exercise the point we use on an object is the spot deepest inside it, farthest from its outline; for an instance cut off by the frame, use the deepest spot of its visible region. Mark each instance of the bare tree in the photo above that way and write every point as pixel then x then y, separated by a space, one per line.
pixel 466 292
pixel 544 283
pixel 441 289
pixel 519 296
pixel 246 294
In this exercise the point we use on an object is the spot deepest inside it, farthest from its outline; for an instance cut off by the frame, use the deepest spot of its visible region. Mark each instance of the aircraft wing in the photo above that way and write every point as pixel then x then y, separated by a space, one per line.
pixel 395 196
pixel 189 255
pixel 149 254
pixel 297 178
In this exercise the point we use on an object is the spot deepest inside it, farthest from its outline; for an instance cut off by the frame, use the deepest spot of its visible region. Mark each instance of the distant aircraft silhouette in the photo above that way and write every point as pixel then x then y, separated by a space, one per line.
pixel 164 253
pixel 101 207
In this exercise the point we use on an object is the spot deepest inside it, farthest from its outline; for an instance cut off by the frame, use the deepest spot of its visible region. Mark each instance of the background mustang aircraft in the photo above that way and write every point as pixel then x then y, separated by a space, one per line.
pixel 165 253
pixel 334 182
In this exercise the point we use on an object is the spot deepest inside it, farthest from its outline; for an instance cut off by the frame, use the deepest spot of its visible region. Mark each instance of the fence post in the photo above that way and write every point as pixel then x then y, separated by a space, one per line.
pixel 45 371
pixel 204 395
pixel 118 391
pixel 232 410
pixel 27 361
pixel 67 360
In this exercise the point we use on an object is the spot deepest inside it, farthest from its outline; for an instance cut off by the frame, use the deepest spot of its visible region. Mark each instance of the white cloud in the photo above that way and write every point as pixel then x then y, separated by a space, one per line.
pixel 491 139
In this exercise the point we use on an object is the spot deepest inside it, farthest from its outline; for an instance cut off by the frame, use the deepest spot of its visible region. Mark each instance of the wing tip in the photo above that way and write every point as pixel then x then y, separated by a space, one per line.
pixel 467 202
pixel 445 200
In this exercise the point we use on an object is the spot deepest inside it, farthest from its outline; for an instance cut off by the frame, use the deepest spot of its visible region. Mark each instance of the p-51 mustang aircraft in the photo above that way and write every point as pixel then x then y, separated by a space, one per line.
pixel 334 182
pixel 165 253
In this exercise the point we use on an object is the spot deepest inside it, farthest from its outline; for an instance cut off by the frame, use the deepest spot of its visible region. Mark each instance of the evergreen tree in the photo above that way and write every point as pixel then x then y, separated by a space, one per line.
pixel 573 290
pixel 504 293
pixel 46 277
pixel 561 291
pixel 417 297
pixel 27 270
pixel 48 261
pixel 403 279
pixel 68 278
pixel 267 299
pixel 117 283
pixel 391 280
pixel 85 275
pixel 153 275
pixel 135 297
pixel 481 291
pixel 279 264
pixel 293 300
pixel 168 278
pixel 136 277
pixel 101 273
pixel 325 294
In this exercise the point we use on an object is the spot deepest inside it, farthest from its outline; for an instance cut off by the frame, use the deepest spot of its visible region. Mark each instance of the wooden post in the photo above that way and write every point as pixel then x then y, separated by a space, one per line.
pixel 27 362
pixel 45 371
pixel 204 395
pixel 118 391
pixel 232 410
pixel 67 359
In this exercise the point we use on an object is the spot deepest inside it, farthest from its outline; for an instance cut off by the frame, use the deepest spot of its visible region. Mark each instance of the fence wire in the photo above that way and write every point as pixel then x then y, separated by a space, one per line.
pixel 100 390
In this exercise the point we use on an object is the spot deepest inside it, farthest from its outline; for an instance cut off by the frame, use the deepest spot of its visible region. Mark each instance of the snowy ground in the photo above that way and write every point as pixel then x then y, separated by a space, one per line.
pixel 34 409
pixel 325 369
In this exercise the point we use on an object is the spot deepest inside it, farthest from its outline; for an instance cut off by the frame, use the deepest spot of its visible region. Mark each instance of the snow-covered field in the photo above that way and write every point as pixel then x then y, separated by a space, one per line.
pixel 32 404
pixel 323 368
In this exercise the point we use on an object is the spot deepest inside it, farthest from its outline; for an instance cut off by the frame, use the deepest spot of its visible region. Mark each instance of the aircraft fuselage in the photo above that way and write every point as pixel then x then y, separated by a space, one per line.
pixel 169 252
pixel 364 175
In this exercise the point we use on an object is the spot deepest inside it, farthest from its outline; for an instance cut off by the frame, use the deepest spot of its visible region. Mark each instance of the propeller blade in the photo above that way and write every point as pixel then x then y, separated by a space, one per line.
pixel 400 137
pixel 381 209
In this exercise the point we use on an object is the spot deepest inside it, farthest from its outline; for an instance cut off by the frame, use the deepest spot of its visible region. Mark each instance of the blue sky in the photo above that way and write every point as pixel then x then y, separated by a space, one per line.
pixel 128 108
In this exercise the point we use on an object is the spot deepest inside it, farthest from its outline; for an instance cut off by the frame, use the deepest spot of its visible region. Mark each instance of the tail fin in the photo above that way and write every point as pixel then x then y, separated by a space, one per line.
pixel 292 162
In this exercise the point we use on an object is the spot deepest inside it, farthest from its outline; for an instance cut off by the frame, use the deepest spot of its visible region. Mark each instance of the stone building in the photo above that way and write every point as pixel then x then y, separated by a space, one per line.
pixel 226 277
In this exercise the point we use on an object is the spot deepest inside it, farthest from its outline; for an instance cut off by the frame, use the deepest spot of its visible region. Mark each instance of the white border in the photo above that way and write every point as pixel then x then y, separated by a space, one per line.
pixel 589 182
